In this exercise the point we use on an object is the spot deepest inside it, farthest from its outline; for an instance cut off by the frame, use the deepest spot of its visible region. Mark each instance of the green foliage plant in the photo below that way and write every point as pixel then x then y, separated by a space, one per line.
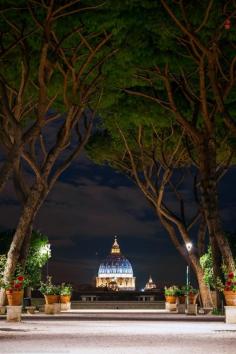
pixel 207 266
pixel 171 291
pixel 217 312
pixel 65 289
pixel 181 291
pixel 190 290
pixel 38 255
pixel 48 288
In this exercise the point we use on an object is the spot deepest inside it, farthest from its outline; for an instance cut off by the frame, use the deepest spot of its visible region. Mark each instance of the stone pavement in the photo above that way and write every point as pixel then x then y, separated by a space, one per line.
pixel 107 332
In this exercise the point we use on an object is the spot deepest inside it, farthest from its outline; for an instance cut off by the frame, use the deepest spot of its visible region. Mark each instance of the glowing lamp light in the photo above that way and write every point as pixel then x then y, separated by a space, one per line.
pixel 189 246
pixel 45 250
pixel 227 24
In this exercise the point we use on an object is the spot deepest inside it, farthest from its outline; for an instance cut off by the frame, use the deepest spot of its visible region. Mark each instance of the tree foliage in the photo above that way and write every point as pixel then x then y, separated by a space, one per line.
pixel 38 255
pixel 206 261
pixel 207 266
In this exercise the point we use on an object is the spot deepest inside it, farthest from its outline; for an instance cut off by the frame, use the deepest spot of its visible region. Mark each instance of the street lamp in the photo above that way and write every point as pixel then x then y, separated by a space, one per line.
pixel 189 246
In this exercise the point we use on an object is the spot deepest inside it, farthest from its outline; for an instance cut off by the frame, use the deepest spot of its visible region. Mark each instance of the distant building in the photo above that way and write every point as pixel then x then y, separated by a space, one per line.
pixel 115 272
pixel 150 285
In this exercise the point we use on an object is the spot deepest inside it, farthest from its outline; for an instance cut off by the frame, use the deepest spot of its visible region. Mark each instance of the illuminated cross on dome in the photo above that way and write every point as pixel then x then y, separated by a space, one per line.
pixel 115 247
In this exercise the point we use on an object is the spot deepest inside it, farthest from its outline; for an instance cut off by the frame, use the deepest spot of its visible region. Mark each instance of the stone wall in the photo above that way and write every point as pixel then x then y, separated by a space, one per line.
pixel 125 305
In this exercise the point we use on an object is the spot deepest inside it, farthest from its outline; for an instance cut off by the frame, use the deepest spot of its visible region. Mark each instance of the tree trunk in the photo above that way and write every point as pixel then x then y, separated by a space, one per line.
pixel 210 204
pixel 7 168
pixel 5 173
pixel 192 259
pixel 216 232
pixel 25 247
pixel 217 271
pixel 31 207
pixel 203 288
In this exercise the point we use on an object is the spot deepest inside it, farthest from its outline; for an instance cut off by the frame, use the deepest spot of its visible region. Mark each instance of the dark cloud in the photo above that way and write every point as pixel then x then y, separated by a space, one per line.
pixel 95 211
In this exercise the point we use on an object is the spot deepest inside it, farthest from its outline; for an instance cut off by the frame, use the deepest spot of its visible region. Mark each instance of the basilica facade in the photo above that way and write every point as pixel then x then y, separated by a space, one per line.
pixel 115 272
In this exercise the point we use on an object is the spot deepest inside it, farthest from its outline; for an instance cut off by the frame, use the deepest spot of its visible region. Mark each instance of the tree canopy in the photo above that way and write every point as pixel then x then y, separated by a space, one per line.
pixel 180 58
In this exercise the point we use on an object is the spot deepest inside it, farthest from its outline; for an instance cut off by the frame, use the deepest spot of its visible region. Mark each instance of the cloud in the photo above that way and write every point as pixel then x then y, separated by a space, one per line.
pixel 94 210
pixel 80 271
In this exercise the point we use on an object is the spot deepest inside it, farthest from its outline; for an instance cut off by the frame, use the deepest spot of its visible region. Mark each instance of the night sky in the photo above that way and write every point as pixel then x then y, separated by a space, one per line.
pixel 88 206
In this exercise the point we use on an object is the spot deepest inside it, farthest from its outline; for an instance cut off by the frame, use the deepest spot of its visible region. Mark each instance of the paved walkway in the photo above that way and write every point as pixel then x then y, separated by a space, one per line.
pixel 117 332
pixel 116 337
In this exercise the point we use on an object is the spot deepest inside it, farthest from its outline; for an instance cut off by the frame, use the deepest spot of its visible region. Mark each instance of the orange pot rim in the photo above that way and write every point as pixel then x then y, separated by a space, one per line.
pixel 229 291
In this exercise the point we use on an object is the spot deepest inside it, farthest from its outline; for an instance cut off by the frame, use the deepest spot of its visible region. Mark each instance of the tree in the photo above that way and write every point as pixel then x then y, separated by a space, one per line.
pixel 196 85
pixel 154 156
pixel 65 71
pixel 183 60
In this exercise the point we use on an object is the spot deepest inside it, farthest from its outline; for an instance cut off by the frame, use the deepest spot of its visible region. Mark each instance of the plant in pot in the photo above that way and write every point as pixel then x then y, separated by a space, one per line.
pixel 230 289
pixel 65 293
pixel 50 291
pixel 15 290
pixel 180 293
pixel 192 294
pixel 171 294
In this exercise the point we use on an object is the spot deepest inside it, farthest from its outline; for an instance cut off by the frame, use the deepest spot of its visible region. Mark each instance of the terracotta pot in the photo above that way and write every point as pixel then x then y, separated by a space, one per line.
pixel 181 299
pixel 65 299
pixel 192 298
pixel 230 298
pixel 171 299
pixel 15 297
pixel 52 299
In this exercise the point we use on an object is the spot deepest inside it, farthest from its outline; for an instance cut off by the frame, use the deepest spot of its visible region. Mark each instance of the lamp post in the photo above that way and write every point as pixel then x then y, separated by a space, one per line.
pixel 189 246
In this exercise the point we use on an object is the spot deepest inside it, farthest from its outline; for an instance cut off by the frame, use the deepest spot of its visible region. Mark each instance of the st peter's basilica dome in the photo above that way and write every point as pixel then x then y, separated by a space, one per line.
pixel 116 268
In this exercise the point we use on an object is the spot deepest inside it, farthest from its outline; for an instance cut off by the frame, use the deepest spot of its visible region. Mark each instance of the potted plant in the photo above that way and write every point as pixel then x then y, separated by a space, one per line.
pixel 230 289
pixel 15 290
pixel 50 291
pixel 180 293
pixel 65 293
pixel 192 294
pixel 171 294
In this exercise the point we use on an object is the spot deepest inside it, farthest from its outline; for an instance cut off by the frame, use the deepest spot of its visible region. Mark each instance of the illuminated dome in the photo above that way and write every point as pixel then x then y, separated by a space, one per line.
pixel 150 285
pixel 115 264
pixel 115 268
